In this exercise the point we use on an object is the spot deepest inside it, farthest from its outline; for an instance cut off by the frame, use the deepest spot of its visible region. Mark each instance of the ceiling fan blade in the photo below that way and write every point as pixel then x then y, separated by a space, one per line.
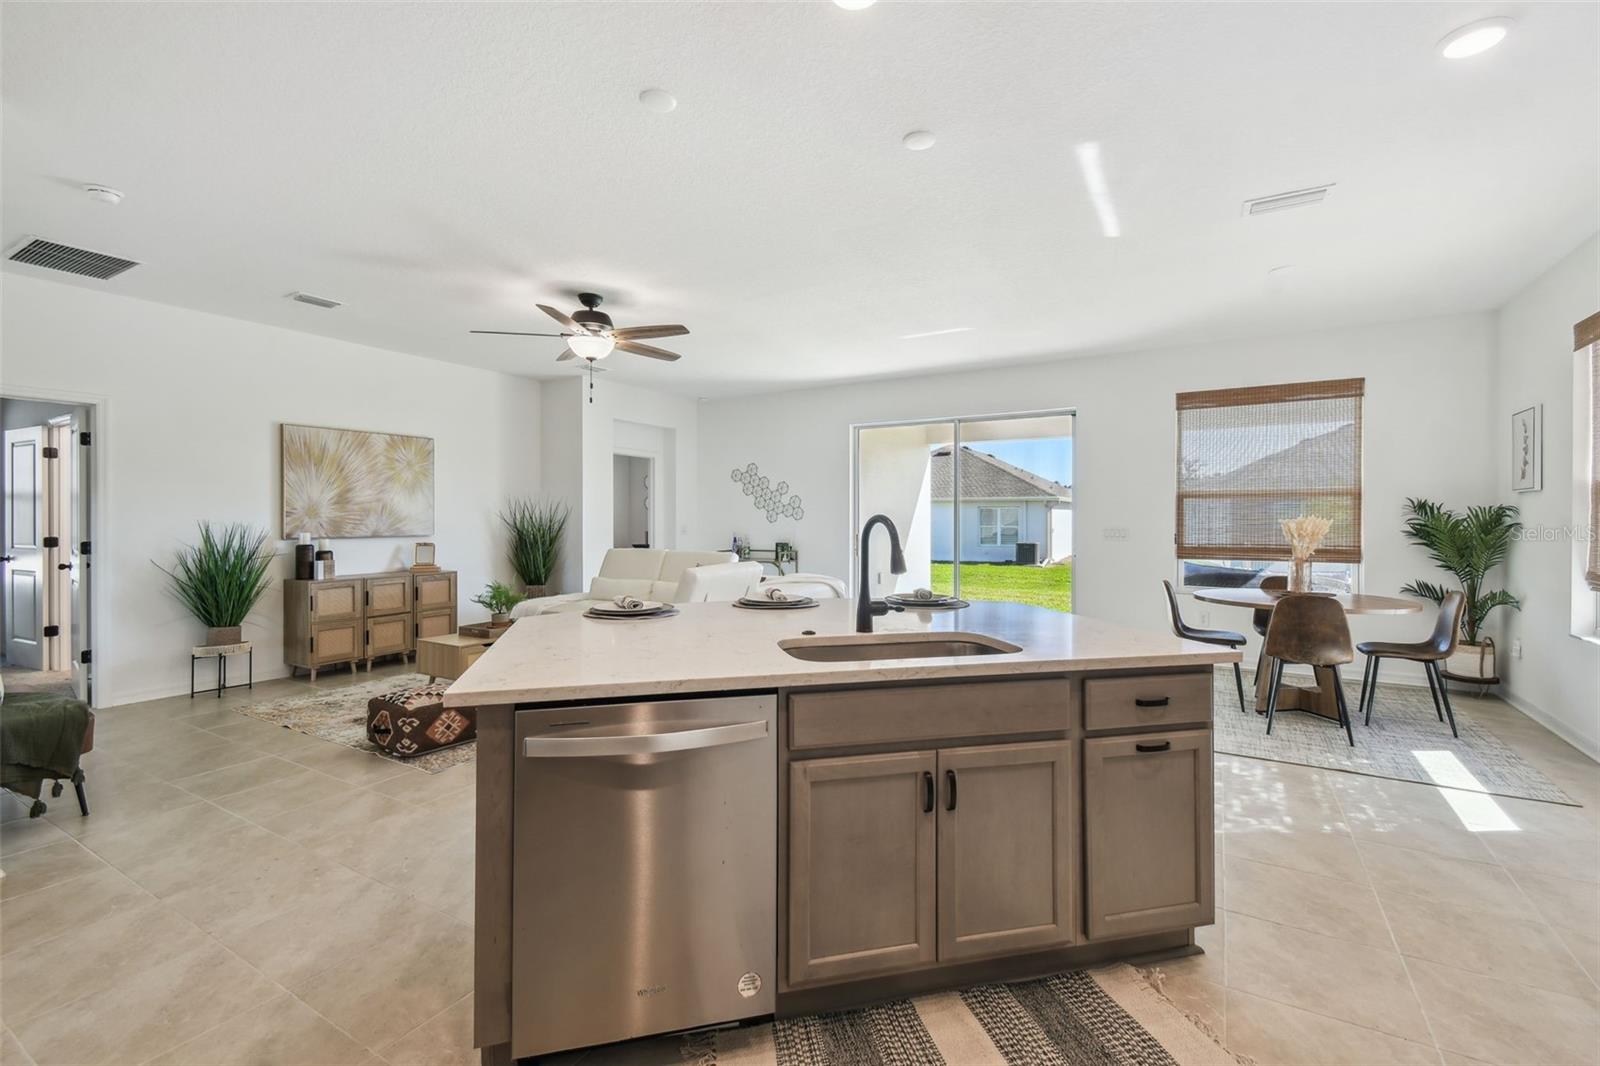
pixel 568 354
pixel 628 333
pixel 646 349
pixel 514 333
pixel 557 315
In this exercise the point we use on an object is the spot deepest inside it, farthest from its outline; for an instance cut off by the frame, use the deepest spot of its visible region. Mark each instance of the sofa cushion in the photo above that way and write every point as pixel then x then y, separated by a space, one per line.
pixel 664 591
pixel 676 562
pixel 634 563
pixel 605 588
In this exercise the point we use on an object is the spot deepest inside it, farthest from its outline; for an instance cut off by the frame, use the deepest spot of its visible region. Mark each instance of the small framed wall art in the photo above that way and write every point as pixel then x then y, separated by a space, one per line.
pixel 1527 449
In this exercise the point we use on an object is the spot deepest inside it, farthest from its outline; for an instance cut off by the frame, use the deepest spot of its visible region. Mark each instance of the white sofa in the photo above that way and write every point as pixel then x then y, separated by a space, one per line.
pixel 655 574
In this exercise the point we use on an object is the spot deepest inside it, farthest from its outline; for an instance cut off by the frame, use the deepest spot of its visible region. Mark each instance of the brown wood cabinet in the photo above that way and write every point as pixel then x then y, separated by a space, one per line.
pixel 358 617
pixel 1007 848
pixel 1147 832
pixel 861 865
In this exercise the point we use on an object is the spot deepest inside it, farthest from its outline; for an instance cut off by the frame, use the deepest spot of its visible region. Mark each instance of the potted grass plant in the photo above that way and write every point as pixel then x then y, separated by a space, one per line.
pixel 221 579
pixel 536 528
pixel 1467 546
pixel 498 599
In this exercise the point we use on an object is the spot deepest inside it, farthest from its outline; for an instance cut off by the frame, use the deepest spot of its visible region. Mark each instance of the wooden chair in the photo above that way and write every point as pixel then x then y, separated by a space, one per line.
pixel 1225 637
pixel 1430 653
pixel 1309 629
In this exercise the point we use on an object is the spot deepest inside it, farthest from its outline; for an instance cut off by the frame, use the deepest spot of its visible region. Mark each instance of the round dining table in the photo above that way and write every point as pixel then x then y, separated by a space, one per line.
pixel 1319 698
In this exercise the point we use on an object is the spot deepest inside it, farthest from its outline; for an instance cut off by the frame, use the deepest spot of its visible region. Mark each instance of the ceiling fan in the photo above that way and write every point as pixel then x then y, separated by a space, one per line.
pixel 590 334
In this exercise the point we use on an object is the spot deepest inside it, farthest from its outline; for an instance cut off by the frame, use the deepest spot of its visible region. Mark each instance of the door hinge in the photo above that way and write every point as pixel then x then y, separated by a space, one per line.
pixel 51 453
pixel 83 547
pixel 52 631
pixel 50 542
pixel 86 656
pixel 83 438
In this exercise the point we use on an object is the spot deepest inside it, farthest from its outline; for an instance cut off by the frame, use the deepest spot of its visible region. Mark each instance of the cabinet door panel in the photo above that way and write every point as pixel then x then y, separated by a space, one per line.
pixel 436 623
pixel 861 865
pixel 1007 848
pixel 1147 832
pixel 388 595
pixel 435 590
pixel 336 642
pixel 335 599
pixel 388 634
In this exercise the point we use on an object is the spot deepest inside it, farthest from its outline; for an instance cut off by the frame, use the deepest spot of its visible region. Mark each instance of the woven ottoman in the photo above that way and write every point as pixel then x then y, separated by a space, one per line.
pixel 415 721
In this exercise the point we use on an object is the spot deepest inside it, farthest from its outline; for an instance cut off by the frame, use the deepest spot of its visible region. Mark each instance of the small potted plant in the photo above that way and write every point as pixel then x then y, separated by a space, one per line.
pixel 221 578
pixel 536 530
pixel 498 599
pixel 1467 547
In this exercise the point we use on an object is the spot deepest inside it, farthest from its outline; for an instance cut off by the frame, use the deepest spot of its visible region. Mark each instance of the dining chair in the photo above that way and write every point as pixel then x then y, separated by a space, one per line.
pixel 1311 630
pixel 1430 653
pixel 1262 616
pixel 1226 637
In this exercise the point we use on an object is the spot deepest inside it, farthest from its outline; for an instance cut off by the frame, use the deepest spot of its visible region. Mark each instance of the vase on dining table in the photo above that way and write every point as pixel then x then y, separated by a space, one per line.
pixel 1300 574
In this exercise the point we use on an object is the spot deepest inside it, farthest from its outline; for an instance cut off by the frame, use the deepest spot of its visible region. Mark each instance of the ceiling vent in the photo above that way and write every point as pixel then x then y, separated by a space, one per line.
pixel 52 256
pixel 315 301
pixel 1284 200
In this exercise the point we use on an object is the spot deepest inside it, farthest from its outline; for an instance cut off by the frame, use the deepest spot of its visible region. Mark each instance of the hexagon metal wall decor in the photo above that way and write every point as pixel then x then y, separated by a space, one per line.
pixel 772 499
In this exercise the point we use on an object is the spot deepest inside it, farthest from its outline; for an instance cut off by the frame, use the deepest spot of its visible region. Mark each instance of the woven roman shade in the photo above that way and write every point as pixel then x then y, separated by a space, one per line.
pixel 1248 458
pixel 1586 334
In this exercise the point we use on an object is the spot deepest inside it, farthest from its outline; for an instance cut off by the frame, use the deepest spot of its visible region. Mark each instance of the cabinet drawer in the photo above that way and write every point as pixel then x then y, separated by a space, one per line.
pixel 1146 700
pixel 913 714
pixel 389 595
pixel 335 599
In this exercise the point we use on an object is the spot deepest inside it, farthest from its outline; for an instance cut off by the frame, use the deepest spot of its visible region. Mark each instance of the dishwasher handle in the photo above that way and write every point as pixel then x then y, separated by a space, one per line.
pixel 642 743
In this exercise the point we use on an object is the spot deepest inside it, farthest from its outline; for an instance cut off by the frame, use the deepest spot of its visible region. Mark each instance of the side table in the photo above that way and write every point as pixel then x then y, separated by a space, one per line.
pixel 222 651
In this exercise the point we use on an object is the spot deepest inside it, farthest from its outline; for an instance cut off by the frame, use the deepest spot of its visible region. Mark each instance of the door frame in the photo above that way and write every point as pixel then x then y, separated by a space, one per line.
pixel 91 635
pixel 955 422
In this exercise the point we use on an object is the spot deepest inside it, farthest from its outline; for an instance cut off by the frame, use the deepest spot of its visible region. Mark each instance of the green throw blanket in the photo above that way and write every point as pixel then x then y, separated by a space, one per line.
pixel 41 738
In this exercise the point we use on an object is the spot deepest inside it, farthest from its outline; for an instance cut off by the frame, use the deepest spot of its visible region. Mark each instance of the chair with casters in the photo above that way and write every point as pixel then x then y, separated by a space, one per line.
pixel 1311 630
pixel 1225 637
pixel 1430 653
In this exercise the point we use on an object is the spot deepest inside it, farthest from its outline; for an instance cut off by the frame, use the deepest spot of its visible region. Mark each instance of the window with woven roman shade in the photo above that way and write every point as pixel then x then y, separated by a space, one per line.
pixel 1248 458
pixel 1587 334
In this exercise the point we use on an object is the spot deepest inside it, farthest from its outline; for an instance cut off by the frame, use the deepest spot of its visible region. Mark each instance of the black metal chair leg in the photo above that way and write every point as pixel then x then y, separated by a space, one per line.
pixel 1344 710
pixel 1272 692
pixel 1238 679
pixel 1433 690
pixel 1366 679
pixel 1372 690
pixel 83 799
pixel 1444 696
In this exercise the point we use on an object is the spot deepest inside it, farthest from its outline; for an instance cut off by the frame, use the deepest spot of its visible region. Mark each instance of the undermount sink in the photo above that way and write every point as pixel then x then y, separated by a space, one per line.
pixel 871 646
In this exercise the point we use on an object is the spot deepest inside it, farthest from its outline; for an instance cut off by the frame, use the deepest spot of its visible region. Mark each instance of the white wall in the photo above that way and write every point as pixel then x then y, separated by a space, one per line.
pixel 896 480
pixel 189 406
pixel 1424 379
pixel 1558 678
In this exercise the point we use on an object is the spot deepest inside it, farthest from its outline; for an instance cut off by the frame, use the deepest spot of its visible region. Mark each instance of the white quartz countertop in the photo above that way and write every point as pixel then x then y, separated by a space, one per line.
pixel 716 647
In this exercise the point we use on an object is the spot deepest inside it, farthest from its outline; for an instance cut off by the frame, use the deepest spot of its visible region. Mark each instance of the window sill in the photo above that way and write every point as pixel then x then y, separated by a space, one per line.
pixel 1587 638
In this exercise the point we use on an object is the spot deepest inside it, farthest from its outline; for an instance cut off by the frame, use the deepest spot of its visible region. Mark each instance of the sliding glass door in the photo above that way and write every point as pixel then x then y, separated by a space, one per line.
pixel 983 506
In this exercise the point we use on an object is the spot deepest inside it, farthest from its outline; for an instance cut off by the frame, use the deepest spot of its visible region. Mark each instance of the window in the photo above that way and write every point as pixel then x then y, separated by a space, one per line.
pixel 1249 458
pixel 1587 334
pixel 999 525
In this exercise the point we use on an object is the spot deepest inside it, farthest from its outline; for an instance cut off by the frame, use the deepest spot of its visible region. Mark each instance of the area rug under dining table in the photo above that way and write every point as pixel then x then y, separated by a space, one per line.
pixel 1405 742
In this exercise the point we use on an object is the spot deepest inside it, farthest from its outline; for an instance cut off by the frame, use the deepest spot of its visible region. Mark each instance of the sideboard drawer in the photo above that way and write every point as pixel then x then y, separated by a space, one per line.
pixel 919 713
pixel 1146 700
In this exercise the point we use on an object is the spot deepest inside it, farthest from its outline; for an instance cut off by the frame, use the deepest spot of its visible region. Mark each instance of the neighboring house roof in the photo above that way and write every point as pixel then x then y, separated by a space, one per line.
pixel 983 477
pixel 1326 459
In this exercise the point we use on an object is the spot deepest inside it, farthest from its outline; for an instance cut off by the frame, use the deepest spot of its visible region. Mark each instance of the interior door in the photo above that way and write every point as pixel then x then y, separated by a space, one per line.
pixel 78 575
pixel 24 583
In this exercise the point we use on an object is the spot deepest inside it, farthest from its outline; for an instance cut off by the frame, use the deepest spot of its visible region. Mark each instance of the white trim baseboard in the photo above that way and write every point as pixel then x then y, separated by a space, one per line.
pixel 1588 745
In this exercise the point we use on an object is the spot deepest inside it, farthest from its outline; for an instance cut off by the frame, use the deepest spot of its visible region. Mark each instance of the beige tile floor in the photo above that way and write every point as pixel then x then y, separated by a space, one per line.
pixel 245 894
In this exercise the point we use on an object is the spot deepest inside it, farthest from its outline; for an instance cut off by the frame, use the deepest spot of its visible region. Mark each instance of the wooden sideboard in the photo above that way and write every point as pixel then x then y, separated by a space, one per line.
pixel 348 618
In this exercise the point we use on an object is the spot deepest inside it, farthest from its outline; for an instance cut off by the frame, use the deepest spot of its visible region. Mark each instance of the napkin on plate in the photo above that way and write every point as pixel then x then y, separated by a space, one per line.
pixel 629 603
pixel 776 594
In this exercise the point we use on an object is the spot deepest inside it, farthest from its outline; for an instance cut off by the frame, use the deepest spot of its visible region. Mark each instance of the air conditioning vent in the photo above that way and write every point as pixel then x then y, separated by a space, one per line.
pixel 315 301
pixel 1284 200
pixel 53 256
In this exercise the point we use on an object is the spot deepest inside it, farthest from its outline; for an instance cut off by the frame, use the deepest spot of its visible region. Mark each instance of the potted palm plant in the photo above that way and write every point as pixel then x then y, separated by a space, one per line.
pixel 498 599
pixel 536 529
pixel 1467 546
pixel 221 578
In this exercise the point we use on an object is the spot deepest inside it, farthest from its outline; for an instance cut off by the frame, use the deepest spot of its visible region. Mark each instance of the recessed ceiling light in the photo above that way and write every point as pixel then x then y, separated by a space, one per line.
pixel 104 194
pixel 936 333
pixel 1094 178
pixel 854 5
pixel 658 100
pixel 1475 38
pixel 918 140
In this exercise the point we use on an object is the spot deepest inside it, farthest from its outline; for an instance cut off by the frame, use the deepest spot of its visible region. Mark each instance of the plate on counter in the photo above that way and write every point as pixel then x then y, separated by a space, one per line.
pixel 938 603
pixel 648 610
pixel 756 604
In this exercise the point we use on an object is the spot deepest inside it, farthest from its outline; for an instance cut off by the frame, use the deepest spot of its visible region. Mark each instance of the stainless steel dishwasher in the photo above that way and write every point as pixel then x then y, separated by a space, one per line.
pixel 644 887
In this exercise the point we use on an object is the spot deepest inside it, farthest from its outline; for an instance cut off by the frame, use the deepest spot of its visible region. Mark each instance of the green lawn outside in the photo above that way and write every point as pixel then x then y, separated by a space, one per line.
pixel 1041 586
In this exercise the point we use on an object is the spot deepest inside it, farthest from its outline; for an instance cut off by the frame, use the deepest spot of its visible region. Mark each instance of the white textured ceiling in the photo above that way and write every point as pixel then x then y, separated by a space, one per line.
pixel 442 167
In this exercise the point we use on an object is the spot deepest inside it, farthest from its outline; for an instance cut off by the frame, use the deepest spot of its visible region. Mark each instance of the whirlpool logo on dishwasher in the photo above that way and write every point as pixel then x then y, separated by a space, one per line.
pixel 650 990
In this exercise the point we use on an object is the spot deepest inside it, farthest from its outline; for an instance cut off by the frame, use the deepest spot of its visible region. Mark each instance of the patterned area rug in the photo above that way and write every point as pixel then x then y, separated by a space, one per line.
pixel 1406 742
pixel 340 715
pixel 1105 1017
pixel 16 679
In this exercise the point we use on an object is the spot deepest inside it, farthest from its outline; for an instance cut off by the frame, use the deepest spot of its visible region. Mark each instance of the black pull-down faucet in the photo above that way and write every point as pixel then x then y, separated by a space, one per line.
pixel 868 608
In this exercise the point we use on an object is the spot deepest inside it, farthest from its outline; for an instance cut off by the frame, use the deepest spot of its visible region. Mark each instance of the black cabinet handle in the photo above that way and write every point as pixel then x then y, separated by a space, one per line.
pixel 1165 745
pixel 927 792
pixel 950 780
pixel 1162 702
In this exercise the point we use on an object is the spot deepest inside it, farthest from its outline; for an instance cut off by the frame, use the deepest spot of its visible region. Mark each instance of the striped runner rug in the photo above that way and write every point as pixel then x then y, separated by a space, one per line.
pixel 1104 1017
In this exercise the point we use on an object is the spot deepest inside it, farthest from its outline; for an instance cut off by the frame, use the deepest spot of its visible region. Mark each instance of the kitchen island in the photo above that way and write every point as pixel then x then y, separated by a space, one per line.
pixel 774 814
